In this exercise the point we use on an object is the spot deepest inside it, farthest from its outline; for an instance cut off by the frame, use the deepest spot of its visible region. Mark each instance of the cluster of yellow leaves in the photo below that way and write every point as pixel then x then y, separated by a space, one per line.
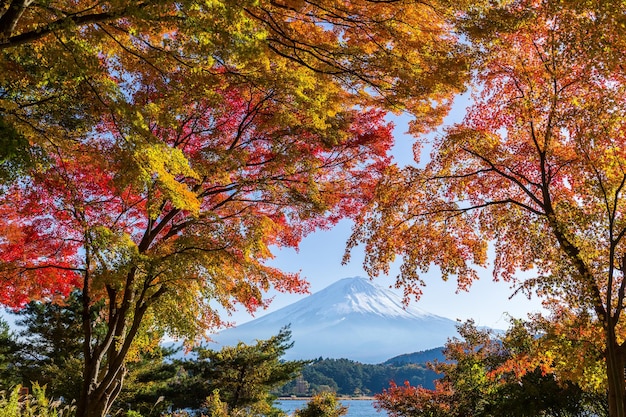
pixel 164 166
pixel 567 345
pixel 114 254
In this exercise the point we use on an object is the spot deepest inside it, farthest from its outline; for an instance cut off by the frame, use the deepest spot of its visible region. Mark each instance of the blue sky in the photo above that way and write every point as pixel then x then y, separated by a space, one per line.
pixel 319 261
pixel 320 255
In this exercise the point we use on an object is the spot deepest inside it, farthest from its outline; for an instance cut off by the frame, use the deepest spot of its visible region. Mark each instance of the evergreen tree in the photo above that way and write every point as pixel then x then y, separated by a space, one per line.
pixel 243 375
pixel 51 346
pixel 9 356
pixel 50 353
pixel 347 377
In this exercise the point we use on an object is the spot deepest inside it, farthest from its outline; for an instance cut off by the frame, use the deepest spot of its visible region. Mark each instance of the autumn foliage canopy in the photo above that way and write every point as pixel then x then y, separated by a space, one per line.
pixel 247 125
pixel 532 179
pixel 154 154
pixel 158 152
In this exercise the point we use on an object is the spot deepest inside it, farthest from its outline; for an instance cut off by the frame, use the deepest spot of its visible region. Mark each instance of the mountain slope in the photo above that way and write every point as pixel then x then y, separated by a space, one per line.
pixel 352 318
pixel 421 357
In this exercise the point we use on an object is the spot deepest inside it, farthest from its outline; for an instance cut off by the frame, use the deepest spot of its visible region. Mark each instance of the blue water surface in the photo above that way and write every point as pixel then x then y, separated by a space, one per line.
pixel 356 408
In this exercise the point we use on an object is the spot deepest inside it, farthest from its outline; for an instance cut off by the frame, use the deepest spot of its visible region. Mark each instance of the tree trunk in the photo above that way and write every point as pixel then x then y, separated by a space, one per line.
pixel 100 389
pixel 615 375
pixel 90 409
pixel 97 398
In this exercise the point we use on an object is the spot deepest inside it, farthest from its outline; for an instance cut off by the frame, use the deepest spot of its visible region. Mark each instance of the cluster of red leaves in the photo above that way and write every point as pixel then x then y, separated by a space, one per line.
pixel 264 175
pixel 408 400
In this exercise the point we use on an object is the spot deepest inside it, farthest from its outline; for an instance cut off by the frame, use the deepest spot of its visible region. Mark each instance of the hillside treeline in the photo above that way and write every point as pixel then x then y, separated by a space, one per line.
pixel 347 377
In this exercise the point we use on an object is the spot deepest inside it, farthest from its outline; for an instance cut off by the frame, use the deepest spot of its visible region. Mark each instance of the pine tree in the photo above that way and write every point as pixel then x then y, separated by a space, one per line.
pixel 9 356
pixel 243 375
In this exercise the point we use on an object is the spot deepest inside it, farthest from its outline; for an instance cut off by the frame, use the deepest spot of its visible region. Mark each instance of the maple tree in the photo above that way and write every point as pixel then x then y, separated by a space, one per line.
pixel 409 400
pixel 567 345
pixel 535 172
pixel 164 147
pixel 162 230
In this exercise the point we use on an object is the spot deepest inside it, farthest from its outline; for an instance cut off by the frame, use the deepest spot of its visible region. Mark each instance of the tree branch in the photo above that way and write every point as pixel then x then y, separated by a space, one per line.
pixel 42 31
pixel 11 16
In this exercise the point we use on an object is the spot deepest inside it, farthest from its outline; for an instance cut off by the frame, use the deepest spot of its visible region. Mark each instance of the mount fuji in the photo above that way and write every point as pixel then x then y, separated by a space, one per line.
pixel 352 318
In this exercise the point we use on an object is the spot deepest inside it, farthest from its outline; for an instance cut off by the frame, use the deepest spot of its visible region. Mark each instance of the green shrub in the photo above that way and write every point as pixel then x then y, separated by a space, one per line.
pixel 32 405
pixel 323 405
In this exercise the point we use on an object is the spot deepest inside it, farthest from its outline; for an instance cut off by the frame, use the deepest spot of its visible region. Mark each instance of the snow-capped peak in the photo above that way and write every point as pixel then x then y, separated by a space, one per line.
pixel 352 318
pixel 360 295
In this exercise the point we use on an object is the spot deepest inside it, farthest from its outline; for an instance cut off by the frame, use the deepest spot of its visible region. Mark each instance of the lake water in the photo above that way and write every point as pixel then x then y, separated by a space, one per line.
pixel 356 408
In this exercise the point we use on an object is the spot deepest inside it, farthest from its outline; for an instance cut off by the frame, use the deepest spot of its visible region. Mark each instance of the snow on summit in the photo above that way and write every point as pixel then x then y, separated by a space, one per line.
pixel 352 318
pixel 360 295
